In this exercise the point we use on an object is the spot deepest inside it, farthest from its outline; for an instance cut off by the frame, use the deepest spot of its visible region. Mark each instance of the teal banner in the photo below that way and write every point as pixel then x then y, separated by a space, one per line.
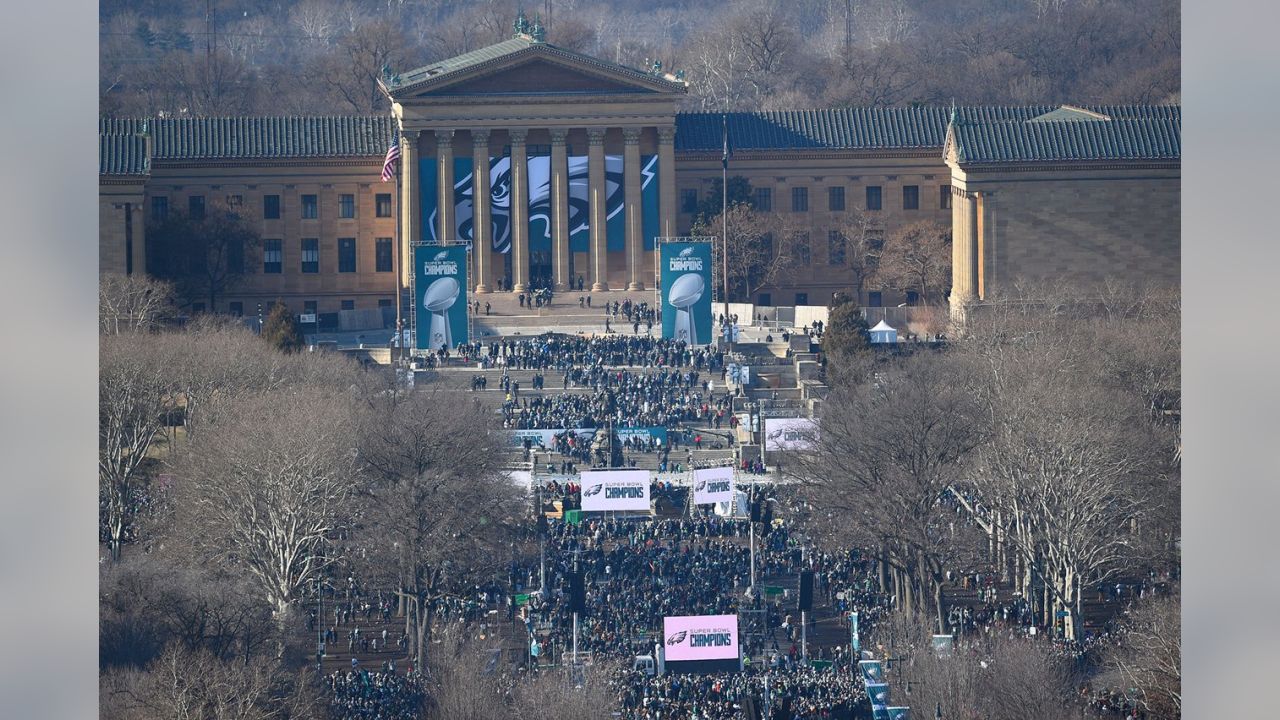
pixel 872 671
pixel 879 693
pixel 853 633
pixel 462 183
pixel 428 198
pixel 615 219
pixel 579 205
pixel 649 216
pixel 540 203
pixel 440 281
pixel 899 713
pixel 686 291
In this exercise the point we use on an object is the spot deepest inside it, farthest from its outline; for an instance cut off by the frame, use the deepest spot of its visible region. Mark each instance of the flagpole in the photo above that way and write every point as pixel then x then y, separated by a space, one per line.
pixel 396 260
pixel 724 219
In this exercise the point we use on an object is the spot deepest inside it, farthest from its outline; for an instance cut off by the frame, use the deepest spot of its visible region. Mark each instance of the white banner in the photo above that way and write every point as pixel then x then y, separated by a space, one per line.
pixel 712 485
pixel 615 490
pixel 789 434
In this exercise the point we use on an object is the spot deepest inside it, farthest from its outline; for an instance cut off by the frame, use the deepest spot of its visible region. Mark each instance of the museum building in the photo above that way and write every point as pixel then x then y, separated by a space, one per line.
pixel 588 162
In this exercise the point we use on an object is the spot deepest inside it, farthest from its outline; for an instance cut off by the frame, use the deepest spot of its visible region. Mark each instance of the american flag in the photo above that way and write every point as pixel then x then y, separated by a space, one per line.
pixel 393 156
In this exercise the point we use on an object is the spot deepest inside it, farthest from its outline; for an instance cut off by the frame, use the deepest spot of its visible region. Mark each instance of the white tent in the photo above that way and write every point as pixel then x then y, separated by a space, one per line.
pixel 740 508
pixel 883 333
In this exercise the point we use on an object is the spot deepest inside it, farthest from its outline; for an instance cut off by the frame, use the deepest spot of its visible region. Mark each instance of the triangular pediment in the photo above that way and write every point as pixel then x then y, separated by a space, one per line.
pixel 517 67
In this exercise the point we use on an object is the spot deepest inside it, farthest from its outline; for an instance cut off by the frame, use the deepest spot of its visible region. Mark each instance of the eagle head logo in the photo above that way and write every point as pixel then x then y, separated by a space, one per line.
pixel 686 252
pixel 442 255
pixel 677 638
pixel 593 490
pixel 702 485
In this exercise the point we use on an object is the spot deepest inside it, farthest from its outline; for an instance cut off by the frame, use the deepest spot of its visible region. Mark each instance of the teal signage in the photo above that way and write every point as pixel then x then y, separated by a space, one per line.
pixel 685 269
pixel 649 200
pixel 440 281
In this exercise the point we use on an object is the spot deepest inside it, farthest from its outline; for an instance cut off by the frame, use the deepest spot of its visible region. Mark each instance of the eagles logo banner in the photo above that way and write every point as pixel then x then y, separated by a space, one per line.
pixel 605 490
pixel 713 485
pixel 685 274
pixel 700 637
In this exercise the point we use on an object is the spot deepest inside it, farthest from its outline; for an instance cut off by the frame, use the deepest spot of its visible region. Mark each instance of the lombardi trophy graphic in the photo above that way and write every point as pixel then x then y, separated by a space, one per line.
pixel 684 293
pixel 441 294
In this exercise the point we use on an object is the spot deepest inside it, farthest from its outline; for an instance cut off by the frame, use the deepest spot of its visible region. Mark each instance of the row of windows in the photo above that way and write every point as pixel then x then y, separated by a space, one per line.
pixel 236 307
pixel 273 255
pixel 763 199
pixel 874 298
pixel 271 206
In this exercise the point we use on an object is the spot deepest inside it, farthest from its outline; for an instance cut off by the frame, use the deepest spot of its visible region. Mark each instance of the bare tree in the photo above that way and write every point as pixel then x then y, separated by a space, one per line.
pixel 132 303
pixel 1148 655
pixel 134 393
pixel 917 257
pixel 265 487
pixel 762 249
pixel 861 240
pixel 884 463
pixel 440 514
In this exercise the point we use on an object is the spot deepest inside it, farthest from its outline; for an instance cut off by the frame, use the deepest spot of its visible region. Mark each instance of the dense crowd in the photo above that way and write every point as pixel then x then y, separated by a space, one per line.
pixel 661 398
pixel 361 694
pixel 795 693
pixel 565 352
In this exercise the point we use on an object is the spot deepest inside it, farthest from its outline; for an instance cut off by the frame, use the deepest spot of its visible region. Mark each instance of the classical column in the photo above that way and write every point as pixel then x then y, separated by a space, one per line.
pixel 667 180
pixel 519 211
pixel 598 193
pixel 446 220
pixel 481 225
pixel 634 209
pixel 409 204
pixel 964 220
pixel 560 209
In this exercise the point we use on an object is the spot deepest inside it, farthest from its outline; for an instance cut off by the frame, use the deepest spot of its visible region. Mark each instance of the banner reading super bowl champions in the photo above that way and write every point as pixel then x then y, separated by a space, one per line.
pixel 700 637
pixel 604 490
pixel 686 291
pixel 712 485
pixel 789 434
pixel 441 285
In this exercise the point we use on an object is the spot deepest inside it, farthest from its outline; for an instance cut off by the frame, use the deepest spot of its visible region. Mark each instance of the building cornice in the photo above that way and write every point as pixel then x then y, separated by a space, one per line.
pixel 1066 167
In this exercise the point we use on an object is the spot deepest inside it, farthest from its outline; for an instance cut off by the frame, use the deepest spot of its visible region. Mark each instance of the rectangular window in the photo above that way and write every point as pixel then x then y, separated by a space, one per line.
pixel 835 199
pixel 348 304
pixel 235 201
pixel 910 197
pixel 913 297
pixel 835 247
pixel 802 298
pixel 309 306
pixel 159 209
pixel 873 299
pixel 801 240
pixel 195 207
pixel 310 207
pixel 272 257
pixel 873 197
pixel 688 201
pixel 382 255
pixel 384 302
pixel 235 256
pixel 944 197
pixel 764 199
pixel 799 199
pixel 310 255
pixel 383 205
pixel 237 309
pixel 271 207
pixel 197 308
pixel 346 206
pixel 765 299
pixel 766 241
pixel 346 255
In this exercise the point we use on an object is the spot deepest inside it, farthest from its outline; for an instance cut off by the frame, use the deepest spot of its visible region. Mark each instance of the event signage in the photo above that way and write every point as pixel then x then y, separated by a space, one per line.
pixel 879 693
pixel 789 434
pixel 686 291
pixel 546 438
pixel 441 288
pixel 604 490
pixel 700 637
pixel 853 633
pixel 899 713
pixel 712 485
pixel 872 671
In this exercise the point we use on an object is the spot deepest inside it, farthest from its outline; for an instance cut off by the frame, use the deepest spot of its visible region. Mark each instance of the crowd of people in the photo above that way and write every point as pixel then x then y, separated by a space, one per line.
pixel 662 398
pixel 566 352
pixel 361 694
pixel 796 693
